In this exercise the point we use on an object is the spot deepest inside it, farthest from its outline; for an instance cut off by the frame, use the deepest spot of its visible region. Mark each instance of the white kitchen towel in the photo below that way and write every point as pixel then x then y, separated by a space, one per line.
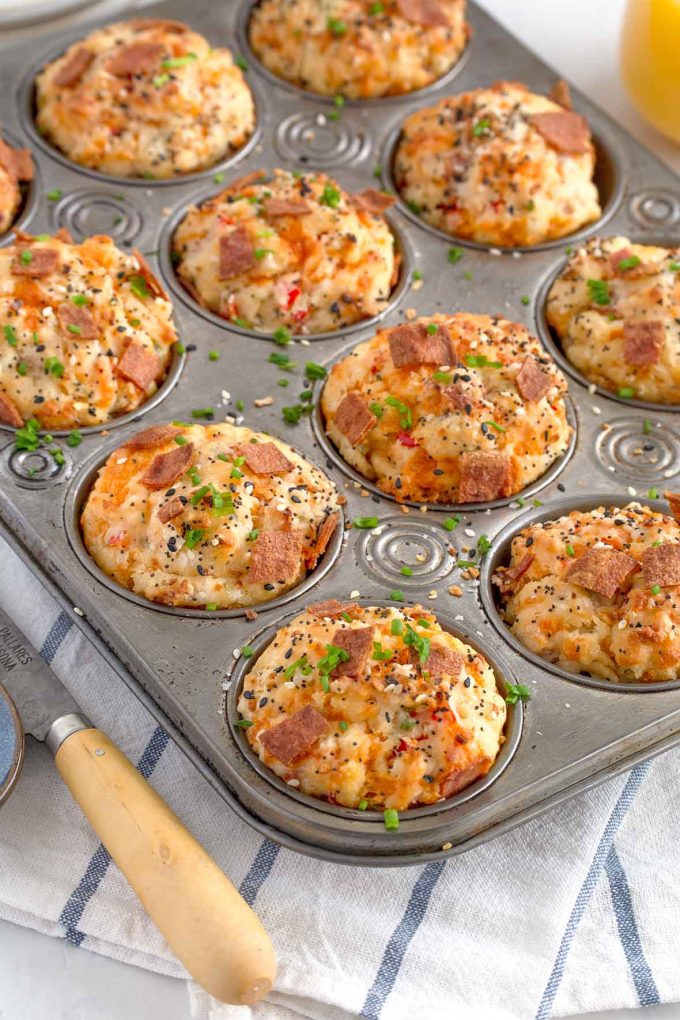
pixel 578 910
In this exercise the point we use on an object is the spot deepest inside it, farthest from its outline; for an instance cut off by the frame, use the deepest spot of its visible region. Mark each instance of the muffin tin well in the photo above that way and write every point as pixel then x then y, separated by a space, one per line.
pixel 186 665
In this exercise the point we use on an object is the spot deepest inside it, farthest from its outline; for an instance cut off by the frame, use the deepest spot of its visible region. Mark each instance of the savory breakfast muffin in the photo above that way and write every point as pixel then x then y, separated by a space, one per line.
pixel 372 708
pixel 208 516
pixel 357 48
pixel 598 592
pixel 500 165
pixel 87 331
pixel 16 169
pixel 144 98
pixel 295 253
pixel 448 409
pixel 615 310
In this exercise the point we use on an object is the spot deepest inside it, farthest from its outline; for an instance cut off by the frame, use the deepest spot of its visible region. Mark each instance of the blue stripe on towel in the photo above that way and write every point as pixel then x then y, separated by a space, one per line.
pixel 259 871
pixel 55 637
pixel 622 901
pixel 400 940
pixel 616 817
pixel 98 865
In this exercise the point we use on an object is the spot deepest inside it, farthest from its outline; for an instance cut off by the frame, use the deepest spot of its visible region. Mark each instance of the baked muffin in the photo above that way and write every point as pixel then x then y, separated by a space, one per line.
pixel 373 707
pixel 448 409
pixel 87 331
pixel 500 165
pixel 598 593
pixel 144 98
pixel 357 48
pixel 16 169
pixel 208 516
pixel 615 309
pixel 295 252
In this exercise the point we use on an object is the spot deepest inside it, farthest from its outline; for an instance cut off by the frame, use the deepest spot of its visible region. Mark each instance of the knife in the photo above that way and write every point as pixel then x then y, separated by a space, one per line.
pixel 204 920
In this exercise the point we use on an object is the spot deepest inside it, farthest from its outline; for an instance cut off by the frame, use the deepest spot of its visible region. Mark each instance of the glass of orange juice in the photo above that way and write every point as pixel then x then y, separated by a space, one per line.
pixel 650 61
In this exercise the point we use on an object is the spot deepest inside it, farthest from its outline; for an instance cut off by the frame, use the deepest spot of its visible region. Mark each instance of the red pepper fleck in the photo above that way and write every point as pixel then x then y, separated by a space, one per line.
pixel 402 746
pixel 406 440
pixel 293 295
pixel 497 204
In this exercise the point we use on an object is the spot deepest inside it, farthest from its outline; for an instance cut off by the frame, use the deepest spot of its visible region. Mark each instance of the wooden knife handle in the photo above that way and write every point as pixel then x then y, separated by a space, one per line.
pixel 204 920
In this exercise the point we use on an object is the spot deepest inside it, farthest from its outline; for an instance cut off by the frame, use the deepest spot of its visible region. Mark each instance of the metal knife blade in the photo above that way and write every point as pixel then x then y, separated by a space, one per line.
pixel 39 696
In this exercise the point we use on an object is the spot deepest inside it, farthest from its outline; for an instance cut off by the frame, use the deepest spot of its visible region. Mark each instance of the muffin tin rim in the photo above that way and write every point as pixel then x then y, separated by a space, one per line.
pixel 498 555
pixel 29 197
pixel 503 674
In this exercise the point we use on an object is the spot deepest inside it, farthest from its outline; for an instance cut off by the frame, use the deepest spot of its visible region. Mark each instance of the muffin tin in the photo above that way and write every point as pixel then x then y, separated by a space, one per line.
pixel 185 665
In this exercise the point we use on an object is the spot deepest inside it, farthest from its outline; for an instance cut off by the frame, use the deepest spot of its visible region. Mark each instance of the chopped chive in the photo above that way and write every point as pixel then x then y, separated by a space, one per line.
pixel 626 392
pixel 525 299
pixel 377 409
pixel 193 537
pixel 80 300
pixel 171 62
pixel 211 607
pixel 396 626
pixel 203 412
pixel 653 493
pixel 406 571
pixel 26 257
pixel 481 361
pixel 10 335
pixel 656 589
pixel 243 724
pixel 241 62
pixel 180 440
pixel 599 291
pixel 160 80
pixel 570 550
pixel 517 692
pixel 481 126
pixel 343 726
pixel 314 371
pixel 330 196
pixel 391 818
pixel 214 355
pixel 397 595
pixel 22 368
pixel 54 195
pixel 281 336
pixel 362 805
pixel 647 427
pixel 247 651
pixel 454 255
pixel 365 522
pixel 417 274
pixel 74 329
pixel 138 286
pixel 465 564
pixel 451 523
pixel 444 377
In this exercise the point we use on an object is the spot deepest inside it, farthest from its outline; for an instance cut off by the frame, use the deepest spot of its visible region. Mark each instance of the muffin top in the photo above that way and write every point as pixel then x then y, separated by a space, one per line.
pixel 295 253
pixel 372 708
pixel 499 165
pixel 16 169
pixel 208 516
pixel 87 331
pixel 598 592
pixel 615 309
pixel 144 98
pixel 357 48
pixel 448 409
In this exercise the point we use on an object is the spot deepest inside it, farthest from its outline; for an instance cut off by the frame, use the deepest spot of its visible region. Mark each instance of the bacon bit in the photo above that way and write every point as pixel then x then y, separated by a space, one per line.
pixel 413 344
pixel 170 510
pixel 484 476
pixel 602 570
pixel 139 366
pixel 44 261
pixel 565 131
pixel 372 201
pixel 17 162
pixel 323 537
pixel 353 418
pixel 137 58
pixel 294 738
pixel 9 413
pixel 643 341
pixel 251 615
pixel 85 328
pixel 560 93
pixel 275 557
pixel 406 440
pixel 151 280
pixel 673 499
pixel 74 68
pixel 166 468
pixel 331 608
pixel 265 458
pixel 532 382
pixel 423 12
pixel 356 641
pixel 661 565
pixel 507 578
pixel 274 206
pixel 236 253
pixel 156 435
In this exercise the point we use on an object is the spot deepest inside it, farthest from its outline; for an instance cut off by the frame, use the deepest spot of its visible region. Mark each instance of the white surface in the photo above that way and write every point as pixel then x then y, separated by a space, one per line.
pixel 47 979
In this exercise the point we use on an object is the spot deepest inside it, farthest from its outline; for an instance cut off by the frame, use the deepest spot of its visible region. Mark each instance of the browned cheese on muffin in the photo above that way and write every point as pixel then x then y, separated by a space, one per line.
pixel 378 707
pixel 448 409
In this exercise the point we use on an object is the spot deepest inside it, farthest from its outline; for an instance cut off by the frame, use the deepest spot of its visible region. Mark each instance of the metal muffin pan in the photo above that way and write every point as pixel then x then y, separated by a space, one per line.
pixel 184 665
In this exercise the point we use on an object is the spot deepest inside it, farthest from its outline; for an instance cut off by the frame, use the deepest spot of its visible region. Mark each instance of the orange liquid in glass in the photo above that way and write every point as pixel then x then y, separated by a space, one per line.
pixel 650 61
